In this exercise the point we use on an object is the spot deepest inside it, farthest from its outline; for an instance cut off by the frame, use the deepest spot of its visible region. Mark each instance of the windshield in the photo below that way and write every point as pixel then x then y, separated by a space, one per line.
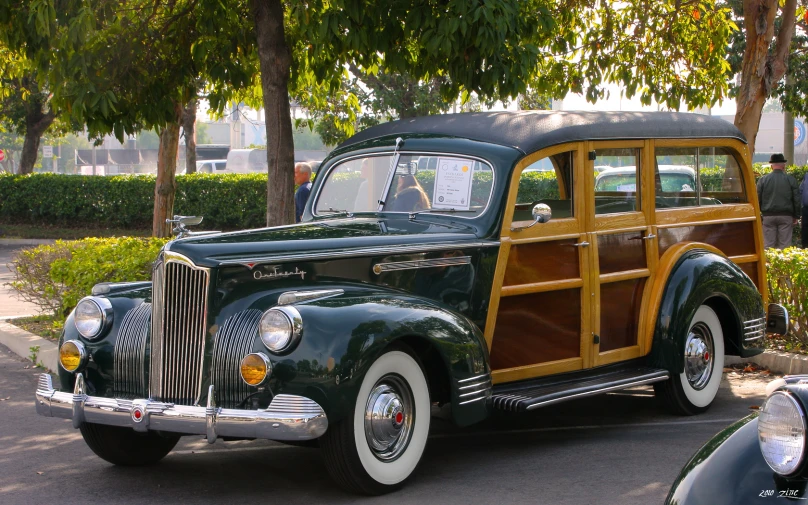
pixel 420 182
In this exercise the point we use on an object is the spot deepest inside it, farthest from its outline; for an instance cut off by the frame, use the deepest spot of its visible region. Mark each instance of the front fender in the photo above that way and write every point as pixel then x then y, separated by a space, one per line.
pixel 100 367
pixel 342 336
pixel 701 276
pixel 729 470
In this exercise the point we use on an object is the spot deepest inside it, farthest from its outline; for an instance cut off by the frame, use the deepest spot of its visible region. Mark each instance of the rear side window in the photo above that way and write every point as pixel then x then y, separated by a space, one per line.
pixel 697 176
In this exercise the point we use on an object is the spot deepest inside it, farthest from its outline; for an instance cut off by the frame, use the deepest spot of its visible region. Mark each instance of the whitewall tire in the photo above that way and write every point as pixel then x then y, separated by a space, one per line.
pixel 693 390
pixel 377 449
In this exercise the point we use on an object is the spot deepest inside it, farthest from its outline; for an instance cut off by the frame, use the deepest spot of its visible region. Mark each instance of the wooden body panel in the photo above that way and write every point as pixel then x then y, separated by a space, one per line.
pixel 613 285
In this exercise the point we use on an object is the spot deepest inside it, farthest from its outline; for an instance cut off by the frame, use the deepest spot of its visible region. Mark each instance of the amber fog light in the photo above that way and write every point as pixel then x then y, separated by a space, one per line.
pixel 255 368
pixel 72 355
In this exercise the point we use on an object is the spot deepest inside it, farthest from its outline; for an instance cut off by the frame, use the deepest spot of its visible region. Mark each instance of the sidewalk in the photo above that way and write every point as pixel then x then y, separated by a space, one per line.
pixel 10 305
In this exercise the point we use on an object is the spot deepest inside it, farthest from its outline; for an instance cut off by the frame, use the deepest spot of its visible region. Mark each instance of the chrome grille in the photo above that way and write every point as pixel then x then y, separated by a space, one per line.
pixel 179 320
pixel 234 340
pixel 754 329
pixel 129 355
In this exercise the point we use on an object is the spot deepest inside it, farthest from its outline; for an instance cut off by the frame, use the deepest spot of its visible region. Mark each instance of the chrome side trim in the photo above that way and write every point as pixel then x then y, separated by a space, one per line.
pixel 627 385
pixel 391 266
pixel 473 389
pixel 754 329
pixel 288 417
pixel 362 251
pixel 233 341
pixel 291 297
pixel 129 354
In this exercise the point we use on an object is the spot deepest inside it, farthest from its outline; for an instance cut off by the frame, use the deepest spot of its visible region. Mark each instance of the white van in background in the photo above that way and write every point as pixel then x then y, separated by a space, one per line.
pixel 246 161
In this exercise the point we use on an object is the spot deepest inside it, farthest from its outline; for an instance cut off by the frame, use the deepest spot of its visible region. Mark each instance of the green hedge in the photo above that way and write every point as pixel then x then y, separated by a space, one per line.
pixel 787 273
pixel 55 277
pixel 227 201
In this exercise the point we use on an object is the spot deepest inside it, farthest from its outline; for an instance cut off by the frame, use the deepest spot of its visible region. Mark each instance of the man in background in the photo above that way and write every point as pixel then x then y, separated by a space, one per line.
pixel 303 180
pixel 779 199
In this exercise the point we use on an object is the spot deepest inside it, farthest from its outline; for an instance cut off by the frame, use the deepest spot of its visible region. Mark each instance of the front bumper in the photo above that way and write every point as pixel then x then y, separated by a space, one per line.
pixel 288 417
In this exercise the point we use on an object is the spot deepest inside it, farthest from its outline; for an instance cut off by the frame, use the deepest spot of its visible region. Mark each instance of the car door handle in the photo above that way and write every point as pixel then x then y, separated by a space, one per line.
pixel 581 244
pixel 649 237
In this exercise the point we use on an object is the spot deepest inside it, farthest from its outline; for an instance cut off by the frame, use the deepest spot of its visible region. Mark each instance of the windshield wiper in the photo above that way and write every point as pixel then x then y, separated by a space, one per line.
pixel 447 211
pixel 347 213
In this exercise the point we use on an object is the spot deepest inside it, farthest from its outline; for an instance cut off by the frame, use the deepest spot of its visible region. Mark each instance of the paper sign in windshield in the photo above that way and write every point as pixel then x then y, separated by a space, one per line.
pixel 452 184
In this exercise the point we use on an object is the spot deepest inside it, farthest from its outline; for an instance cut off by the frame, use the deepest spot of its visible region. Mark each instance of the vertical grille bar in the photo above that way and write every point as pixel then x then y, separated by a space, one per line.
pixel 129 354
pixel 233 341
pixel 178 348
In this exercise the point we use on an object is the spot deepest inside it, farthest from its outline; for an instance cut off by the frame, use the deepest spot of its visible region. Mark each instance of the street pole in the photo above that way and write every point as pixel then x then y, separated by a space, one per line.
pixel 93 159
pixel 788 129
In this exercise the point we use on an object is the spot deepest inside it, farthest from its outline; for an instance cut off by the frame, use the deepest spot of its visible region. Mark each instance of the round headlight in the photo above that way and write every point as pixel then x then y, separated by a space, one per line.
pixel 92 315
pixel 255 368
pixel 72 355
pixel 279 327
pixel 781 433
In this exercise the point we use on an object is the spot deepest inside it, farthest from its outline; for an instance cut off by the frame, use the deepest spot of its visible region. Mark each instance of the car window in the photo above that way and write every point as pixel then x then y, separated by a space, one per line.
pixel 616 180
pixel 715 174
pixel 547 181
pixel 455 182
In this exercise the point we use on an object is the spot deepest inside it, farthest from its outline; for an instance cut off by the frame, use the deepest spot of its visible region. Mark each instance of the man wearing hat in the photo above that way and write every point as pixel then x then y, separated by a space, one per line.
pixel 779 198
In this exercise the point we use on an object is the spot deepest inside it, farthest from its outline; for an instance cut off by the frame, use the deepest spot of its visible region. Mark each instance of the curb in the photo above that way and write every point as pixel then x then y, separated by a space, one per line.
pixel 26 241
pixel 20 342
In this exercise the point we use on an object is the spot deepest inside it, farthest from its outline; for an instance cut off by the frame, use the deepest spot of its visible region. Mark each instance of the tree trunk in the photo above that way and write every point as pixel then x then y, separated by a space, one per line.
pixel 762 68
pixel 189 131
pixel 36 123
pixel 166 185
pixel 275 59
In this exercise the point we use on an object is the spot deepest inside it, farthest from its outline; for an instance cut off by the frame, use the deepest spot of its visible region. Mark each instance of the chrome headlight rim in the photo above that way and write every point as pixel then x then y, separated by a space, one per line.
pixel 104 307
pixel 83 355
pixel 295 331
pixel 267 365
pixel 795 403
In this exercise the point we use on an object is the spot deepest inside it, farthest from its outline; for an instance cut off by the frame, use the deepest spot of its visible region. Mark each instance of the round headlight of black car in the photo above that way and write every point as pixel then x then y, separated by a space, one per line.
pixel 93 315
pixel 280 327
pixel 781 433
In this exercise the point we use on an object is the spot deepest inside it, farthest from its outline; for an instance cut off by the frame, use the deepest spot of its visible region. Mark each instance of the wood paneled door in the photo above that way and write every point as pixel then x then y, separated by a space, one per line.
pixel 539 312
pixel 624 247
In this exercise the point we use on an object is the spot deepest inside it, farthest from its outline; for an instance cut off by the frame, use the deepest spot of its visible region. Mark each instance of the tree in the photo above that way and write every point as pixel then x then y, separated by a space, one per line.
pixel 532 100
pixel 768 29
pixel 133 65
pixel 25 107
pixel 794 94
pixel 663 50
pixel 381 96
pixel 189 132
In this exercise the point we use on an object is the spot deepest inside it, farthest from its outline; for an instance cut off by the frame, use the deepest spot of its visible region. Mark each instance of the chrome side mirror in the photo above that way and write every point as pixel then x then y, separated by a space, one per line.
pixel 541 214
pixel 181 222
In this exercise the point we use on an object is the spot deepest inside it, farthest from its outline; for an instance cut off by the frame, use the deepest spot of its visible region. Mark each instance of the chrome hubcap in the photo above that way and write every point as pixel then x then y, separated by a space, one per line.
pixel 389 415
pixel 699 356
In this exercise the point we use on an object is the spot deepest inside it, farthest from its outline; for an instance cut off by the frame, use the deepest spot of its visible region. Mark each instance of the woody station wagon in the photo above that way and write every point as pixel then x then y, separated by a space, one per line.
pixel 436 264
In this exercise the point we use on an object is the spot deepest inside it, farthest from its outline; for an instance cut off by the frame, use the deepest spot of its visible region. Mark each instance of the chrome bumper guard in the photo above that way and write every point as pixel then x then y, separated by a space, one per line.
pixel 777 319
pixel 288 417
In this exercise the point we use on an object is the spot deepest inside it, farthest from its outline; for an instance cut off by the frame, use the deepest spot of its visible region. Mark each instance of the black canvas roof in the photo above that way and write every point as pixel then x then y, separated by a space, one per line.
pixel 530 131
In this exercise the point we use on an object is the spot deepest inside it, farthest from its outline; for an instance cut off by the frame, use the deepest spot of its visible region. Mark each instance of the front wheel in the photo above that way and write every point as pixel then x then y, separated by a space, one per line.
pixel 377 449
pixel 692 391
pixel 126 447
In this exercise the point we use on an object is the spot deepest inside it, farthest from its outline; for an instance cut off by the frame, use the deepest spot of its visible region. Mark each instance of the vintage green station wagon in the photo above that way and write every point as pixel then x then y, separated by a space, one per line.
pixel 465 259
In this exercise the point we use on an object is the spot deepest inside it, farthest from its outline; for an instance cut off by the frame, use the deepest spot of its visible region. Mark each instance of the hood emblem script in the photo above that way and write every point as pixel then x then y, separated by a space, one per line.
pixel 276 274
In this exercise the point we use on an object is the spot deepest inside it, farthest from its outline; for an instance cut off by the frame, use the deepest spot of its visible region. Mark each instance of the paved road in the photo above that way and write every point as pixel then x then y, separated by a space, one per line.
pixel 10 306
pixel 619 448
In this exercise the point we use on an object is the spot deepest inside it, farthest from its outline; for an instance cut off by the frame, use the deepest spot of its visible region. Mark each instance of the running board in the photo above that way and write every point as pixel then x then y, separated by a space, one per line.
pixel 529 395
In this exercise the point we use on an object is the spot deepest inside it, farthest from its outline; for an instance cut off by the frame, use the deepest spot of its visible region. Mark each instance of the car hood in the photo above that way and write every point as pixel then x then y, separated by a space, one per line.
pixel 318 238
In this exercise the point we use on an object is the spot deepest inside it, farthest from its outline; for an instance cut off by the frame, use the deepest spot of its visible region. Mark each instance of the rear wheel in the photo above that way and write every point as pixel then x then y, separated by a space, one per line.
pixel 376 449
pixel 125 447
pixel 692 391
